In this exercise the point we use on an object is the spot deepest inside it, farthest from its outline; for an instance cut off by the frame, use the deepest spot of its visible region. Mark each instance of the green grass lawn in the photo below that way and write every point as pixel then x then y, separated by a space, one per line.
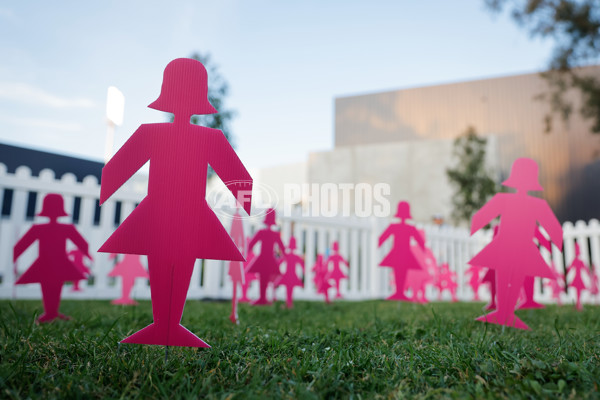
pixel 367 350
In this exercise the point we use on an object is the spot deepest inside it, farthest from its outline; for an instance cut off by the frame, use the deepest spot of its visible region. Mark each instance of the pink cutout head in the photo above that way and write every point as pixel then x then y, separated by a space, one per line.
pixel 335 246
pixel 270 217
pixel 184 89
pixel 292 245
pixel 577 250
pixel 403 211
pixel 53 206
pixel 524 175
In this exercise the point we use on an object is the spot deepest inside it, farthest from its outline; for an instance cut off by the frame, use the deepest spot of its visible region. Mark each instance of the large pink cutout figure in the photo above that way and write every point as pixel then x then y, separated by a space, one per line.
pixel 52 268
pixel 335 272
pixel 77 257
pixel 579 268
pixel 173 225
pixel 236 268
pixel 289 279
pixel 512 253
pixel 265 264
pixel 129 268
pixel 401 258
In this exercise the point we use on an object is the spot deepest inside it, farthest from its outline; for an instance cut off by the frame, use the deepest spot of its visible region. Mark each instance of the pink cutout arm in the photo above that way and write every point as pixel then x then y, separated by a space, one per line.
pixel 252 242
pixel 542 240
pixel 419 239
pixel 79 241
pixel 228 166
pixel 386 234
pixel 130 158
pixel 25 241
pixel 548 220
pixel 486 214
pixel 280 244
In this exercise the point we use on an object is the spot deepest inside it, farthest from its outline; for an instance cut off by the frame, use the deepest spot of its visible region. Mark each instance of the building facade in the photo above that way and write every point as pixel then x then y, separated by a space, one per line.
pixel 404 137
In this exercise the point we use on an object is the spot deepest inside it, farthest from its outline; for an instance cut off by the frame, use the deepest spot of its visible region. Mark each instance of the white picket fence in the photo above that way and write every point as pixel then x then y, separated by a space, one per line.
pixel 357 239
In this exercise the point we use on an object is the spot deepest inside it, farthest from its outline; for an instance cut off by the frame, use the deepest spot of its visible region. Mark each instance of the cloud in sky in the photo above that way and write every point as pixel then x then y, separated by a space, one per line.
pixel 26 93
pixel 42 124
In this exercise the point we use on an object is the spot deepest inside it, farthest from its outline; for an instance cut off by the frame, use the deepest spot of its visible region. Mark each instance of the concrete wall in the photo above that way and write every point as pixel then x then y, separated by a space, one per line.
pixel 415 171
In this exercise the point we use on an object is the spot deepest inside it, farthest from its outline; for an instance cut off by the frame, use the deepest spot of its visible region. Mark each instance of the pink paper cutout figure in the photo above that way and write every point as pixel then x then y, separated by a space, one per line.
pixel 556 285
pixel 475 279
pixel 129 268
pixel 248 278
pixel 289 279
pixel 512 253
pixel 53 267
pixel 579 268
pixel 320 278
pixel 265 264
pixel 529 283
pixel 418 279
pixel 447 281
pixel 236 268
pixel 401 258
pixel 335 273
pixel 77 257
pixel 173 225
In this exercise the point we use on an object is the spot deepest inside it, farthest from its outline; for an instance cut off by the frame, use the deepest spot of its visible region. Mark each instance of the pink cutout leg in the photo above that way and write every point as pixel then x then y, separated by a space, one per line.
pixel 528 288
pixel 399 278
pixel 51 300
pixel 264 284
pixel 127 283
pixel 234 315
pixel 289 300
pixel 508 294
pixel 168 280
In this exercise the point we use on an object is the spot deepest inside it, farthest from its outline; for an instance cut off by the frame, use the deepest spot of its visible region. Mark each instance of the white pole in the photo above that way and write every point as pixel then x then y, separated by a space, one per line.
pixel 110 141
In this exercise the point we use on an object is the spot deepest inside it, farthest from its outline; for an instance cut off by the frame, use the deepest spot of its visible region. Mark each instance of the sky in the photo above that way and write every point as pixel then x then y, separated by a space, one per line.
pixel 285 63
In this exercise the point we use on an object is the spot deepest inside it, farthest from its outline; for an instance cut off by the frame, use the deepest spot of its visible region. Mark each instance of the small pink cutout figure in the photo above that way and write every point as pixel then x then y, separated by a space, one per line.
pixel 236 268
pixel 248 277
pixel 52 268
pixel 447 281
pixel 335 273
pixel 129 268
pixel 321 280
pixel 289 279
pixel 401 258
pixel 265 264
pixel 512 253
pixel 556 285
pixel 174 225
pixel 475 280
pixel 577 282
pixel 417 280
pixel 76 257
